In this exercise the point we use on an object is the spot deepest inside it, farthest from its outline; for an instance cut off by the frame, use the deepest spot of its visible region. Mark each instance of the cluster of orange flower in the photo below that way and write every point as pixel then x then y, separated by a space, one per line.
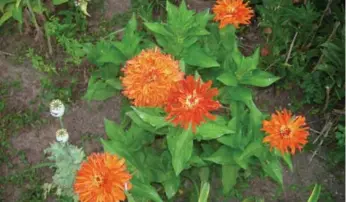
pixel 154 79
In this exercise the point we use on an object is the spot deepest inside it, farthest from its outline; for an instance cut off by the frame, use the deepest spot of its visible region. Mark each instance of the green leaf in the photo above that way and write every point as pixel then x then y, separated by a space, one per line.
pixel 213 130
pixel 129 197
pixel 143 190
pixel 228 37
pixel 228 78
pixel 259 78
pixel 229 177
pixel 58 2
pixel 171 186
pixel 204 194
pixel 223 156
pixel 273 168
pixel 286 157
pixel 5 17
pixel 239 93
pixel 4 3
pixel 315 195
pixel 151 117
pixel 255 148
pixel 113 130
pixel 180 145
pixel 115 83
pixel 120 149
pixel 197 57
pixel 17 14
pixel 157 28
pixel 99 90
pixel 135 118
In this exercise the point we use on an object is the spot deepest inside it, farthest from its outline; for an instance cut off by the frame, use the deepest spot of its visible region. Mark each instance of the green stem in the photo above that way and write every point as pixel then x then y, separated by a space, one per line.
pixel 33 15
pixel 61 123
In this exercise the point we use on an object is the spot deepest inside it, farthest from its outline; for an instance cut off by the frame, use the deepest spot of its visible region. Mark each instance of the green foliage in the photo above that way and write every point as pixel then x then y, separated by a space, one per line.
pixel 160 154
pixel 314 41
pixel 315 193
pixel 67 159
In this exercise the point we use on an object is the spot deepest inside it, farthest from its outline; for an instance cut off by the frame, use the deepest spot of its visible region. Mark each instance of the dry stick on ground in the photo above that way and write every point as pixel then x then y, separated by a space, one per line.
pixel 336 26
pixel 291 47
pixel 324 134
pixel 6 53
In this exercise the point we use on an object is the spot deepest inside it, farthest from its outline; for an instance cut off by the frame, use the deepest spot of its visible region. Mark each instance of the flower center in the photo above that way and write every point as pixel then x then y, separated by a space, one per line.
pixel 97 180
pixel 152 76
pixel 192 100
pixel 230 9
pixel 285 131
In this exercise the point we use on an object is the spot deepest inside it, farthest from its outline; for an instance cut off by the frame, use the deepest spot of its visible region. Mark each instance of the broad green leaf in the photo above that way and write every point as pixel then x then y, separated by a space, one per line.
pixel 171 186
pixel 228 78
pixel 229 177
pixel 4 3
pixel 17 14
pixel 253 149
pixel 58 2
pixel 157 28
pixel 115 83
pixel 315 195
pixel 197 57
pixel 113 130
pixel 239 93
pixel 242 162
pixel 5 17
pixel 286 157
pixel 223 156
pixel 129 197
pixel 228 37
pixel 135 118
pixel 119 149
pixel 180 145
pixel 149 116
pixel 99 90
pixel 212 130
pixel 143 190
pixel 273 168
pixel 204 194
pixel 259 78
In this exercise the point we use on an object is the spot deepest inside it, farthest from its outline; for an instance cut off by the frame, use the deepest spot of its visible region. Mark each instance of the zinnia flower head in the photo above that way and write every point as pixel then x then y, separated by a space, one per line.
pixel 149 76
pixel 56 108
pixel 102 178
pixel 62 135
pixel 286 133
pixel 190 101
pixel 232 12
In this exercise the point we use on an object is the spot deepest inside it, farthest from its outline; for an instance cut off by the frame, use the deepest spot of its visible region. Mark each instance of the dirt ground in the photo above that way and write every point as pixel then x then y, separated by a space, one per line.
pixel 84 122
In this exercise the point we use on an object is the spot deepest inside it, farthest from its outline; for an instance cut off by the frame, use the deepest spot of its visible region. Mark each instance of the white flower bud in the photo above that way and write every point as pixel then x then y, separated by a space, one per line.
pixel 57 108
pixel 62 135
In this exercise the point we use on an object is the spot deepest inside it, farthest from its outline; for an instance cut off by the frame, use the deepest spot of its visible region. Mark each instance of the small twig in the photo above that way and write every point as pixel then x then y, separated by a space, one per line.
pixel 324 133
pixel 336 26
pixel 6 53
pixel 339 111
pixel 327 99
pixel 291 47
pixel 315 131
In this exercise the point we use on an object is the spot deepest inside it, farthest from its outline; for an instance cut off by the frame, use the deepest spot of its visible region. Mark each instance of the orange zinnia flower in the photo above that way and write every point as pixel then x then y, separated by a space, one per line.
pixel 286 132
pixel 102 178
pixel 233 12
pixel 190 101
pixel 149 76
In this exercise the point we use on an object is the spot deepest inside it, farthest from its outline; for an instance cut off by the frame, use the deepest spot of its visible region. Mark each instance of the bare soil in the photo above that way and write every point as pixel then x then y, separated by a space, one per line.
pixel 84 121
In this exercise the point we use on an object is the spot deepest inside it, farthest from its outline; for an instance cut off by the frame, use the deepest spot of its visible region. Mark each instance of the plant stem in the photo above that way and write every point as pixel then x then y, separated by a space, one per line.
pixel 33 16
pixel 61 123
pixel 291 47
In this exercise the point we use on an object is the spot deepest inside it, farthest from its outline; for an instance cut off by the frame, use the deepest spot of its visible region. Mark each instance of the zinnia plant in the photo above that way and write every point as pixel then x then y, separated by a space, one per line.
pixel 188 110
pixel 286 132
pixel 149 76
pixel 190 101
pixel 103 177
pixel 234 12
